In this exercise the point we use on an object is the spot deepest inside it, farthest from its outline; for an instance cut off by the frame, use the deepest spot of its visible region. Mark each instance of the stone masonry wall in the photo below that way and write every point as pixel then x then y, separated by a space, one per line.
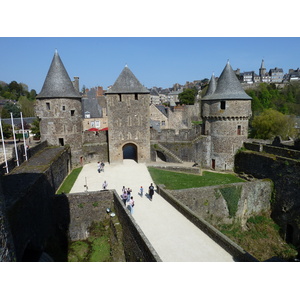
pixel 211 203
pixel 86 208
pixel 284 172
pixel 95 146
pixel 128 123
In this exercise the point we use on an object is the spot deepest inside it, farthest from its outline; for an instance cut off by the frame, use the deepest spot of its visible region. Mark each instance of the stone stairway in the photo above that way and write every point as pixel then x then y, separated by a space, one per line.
pixel 167 151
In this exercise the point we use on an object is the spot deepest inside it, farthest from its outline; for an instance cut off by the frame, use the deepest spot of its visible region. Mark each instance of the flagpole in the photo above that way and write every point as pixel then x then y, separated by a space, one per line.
pixel 3 145
pixel 25 147
pixel 13 128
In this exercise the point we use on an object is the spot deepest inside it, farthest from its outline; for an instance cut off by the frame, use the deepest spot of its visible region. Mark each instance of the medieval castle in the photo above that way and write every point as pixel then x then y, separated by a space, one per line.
pixel 33 218
pixel 225 112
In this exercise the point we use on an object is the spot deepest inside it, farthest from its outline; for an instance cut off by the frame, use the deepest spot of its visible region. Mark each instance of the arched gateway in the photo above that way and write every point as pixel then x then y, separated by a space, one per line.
pixel 130 151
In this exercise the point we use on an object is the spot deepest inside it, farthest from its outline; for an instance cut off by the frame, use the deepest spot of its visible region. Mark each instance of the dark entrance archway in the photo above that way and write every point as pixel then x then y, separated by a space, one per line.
pixel 130 151
pixel 161 156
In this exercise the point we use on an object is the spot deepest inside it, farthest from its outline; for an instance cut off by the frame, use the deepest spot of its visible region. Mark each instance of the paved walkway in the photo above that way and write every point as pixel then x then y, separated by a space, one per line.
pixel 173 236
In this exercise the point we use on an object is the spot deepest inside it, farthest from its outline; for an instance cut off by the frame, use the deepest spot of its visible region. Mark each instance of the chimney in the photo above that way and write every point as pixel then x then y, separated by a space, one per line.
pixel 76 83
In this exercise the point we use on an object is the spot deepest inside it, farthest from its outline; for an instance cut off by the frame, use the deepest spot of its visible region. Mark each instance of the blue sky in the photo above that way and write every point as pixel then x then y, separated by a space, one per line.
pixel 155 61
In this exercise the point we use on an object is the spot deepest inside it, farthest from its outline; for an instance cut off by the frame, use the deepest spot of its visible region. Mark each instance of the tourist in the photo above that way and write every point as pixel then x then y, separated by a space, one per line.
pixel 124 197
pixel 99 167
pixel 104 185
pixel 129 190
pixel 151 191
pixel 141 191
pixel 102 166
pixel 130 204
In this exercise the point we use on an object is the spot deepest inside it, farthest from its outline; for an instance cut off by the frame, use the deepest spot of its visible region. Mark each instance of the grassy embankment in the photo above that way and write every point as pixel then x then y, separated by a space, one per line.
pixel 176 181
pixel 69 181
pixel 261 237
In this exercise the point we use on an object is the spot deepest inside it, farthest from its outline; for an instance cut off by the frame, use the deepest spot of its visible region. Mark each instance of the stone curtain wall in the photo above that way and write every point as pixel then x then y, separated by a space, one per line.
pixel 284 172
pixel 28 193
pixel 7 251
pixel 170 135
pixel 31 215
pixel 213 203
pixel 136 244
pixel 86 208
pixel 95 146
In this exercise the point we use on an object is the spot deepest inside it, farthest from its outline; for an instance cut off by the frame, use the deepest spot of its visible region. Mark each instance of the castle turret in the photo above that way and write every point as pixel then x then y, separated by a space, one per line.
pixel 128 123
pixel 59 109
pixel 225 114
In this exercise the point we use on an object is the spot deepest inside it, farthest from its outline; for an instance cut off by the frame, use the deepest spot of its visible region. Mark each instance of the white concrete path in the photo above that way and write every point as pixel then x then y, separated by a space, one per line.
pixel 174 237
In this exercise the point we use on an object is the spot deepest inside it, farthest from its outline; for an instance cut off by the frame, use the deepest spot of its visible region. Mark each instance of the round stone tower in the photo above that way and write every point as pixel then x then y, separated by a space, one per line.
pixel 59 109
pixel 128 119
pixel 226 110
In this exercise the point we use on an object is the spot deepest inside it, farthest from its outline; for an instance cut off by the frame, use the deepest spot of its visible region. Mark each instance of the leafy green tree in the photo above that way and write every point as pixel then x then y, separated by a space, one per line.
pixel 35 128
pixel 286 99
pixel 7 130
pixel 8 108
pixel 188 96
pixel 27 106
pixel 271 123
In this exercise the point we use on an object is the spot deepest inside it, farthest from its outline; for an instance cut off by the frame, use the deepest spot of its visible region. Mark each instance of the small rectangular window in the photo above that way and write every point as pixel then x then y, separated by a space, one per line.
pixel 239 130
pixel 48 105
pixel 223 104
pixel 63 108
pixel 72 112
pixel 136 97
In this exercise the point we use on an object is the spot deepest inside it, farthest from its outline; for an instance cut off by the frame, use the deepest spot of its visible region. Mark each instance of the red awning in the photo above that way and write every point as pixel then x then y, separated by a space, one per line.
pixel 104 129
pixel 93 129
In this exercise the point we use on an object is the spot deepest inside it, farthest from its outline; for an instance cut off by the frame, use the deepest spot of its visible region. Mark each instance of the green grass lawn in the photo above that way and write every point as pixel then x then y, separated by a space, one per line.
pixel 69 181
pixel 175 181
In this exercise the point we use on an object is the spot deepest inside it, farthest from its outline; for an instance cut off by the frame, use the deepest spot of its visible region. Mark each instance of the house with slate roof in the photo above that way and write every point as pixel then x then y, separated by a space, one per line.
pixel 94 111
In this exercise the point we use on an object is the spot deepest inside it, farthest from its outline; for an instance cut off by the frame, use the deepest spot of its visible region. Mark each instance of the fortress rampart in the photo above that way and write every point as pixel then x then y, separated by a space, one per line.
pixel 282 166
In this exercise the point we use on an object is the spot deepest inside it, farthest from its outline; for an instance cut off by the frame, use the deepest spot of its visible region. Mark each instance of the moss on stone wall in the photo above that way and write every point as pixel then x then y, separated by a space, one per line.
pixel 232 196
pixel 98 247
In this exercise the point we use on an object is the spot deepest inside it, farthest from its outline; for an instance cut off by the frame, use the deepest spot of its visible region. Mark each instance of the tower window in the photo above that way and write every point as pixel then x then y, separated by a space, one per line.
pixel 120 98
pixel 63 108
pixel 72 113
pixel 48 105
pixel 223 104
pixel 239 130
pixel 136 97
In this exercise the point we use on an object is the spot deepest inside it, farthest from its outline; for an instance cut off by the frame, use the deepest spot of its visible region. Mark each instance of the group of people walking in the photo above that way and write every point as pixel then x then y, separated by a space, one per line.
pixel 100 166
pixel 128 199
pixel 126 195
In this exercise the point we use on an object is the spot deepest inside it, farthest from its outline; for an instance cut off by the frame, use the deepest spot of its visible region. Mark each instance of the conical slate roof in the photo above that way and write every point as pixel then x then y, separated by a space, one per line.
pixel 228 87
pixel 58 83
pixel 127 83
pixel 212 86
